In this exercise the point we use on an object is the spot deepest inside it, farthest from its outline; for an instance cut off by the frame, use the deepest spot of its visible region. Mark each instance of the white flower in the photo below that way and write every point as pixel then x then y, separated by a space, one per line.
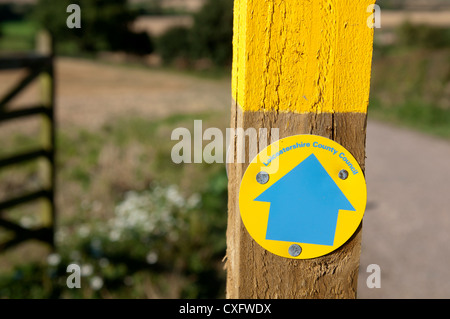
pixel 96 282
pixel 26 222
pixel 194 200
pixel 152 258
pixel 114 235
pixel 60 235
pixel 53 259
pixel 87 270
pixel 84 231
pixel 156 211
pixel 174 196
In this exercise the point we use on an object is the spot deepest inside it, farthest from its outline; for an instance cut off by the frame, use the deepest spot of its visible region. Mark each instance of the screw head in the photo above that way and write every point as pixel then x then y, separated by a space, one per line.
pixel 262 178
pixel 295 250
pixel 343 174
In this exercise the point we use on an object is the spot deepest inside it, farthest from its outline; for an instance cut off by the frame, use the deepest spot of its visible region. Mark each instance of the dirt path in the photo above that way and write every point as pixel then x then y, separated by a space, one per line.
pixel 407 224
pixel 90 93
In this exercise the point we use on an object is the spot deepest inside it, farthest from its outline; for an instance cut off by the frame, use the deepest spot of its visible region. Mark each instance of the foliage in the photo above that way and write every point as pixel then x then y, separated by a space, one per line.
pixel 392 4
pixel 156 233
pixel 415 114
pixel 423 36
pixel 17 35
pixel 174 44
pixel 210 37
pixel 146 230
pixel 155 8
pixel 411 79
pixel 212 33
pixel 14 11
pixel 105 26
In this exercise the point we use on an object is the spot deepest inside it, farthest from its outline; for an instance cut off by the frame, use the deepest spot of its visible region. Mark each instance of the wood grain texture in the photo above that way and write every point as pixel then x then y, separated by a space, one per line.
pixel 303 67
pixel 302 56
pixel 253 272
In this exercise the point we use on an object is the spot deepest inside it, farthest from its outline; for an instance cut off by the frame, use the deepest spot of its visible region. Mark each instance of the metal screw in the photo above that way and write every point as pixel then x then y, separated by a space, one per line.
pixel 262 177
pixel 343 174
pixel 295 250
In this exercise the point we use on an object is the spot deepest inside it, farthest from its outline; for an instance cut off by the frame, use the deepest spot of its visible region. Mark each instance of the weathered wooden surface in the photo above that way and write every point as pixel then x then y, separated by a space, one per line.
pixel 302 67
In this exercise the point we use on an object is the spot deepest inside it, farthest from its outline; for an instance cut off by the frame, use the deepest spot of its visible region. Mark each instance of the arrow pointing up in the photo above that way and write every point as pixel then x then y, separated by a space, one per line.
pixel 305 204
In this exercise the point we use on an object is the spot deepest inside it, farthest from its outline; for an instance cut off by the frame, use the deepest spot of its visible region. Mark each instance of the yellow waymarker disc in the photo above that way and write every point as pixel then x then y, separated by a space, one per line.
pixel 302 197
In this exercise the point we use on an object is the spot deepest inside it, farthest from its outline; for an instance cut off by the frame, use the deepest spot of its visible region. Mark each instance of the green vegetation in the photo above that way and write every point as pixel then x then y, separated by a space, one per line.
pixel 137 224
pixel 411 80
pixel 414 114
pixel 174 44
pixel 391 4
pixel 17 35
pixel 155 8
pixel 105 26
pixel 423 36
pixel 210 37
pixel 212 33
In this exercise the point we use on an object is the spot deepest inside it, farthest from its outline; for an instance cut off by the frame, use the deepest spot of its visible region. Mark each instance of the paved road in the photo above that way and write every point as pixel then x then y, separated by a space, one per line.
pixel 406 228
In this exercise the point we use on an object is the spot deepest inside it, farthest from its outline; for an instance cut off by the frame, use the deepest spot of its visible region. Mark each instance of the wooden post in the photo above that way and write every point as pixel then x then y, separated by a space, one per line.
pixel 47 165
pixel 303 67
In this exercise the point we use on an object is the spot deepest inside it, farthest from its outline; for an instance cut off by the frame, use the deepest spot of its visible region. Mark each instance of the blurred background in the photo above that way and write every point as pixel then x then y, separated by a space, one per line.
pixel 140 226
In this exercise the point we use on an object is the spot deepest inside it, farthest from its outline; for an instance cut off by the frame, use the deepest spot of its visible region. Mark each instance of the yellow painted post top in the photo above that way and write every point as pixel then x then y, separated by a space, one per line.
pixel 302 56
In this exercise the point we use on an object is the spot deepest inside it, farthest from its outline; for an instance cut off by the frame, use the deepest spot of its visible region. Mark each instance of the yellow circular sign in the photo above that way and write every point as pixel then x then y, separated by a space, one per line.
pixel 302 197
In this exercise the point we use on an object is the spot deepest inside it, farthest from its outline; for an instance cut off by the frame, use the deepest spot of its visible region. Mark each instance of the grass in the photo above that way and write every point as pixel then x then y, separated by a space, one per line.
pixel 416 115
pixel 410 88
pixel 119 182
pixel 18 35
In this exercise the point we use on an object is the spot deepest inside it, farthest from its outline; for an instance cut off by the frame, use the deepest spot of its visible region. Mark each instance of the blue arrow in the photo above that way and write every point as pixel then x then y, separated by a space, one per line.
pixel 305 204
